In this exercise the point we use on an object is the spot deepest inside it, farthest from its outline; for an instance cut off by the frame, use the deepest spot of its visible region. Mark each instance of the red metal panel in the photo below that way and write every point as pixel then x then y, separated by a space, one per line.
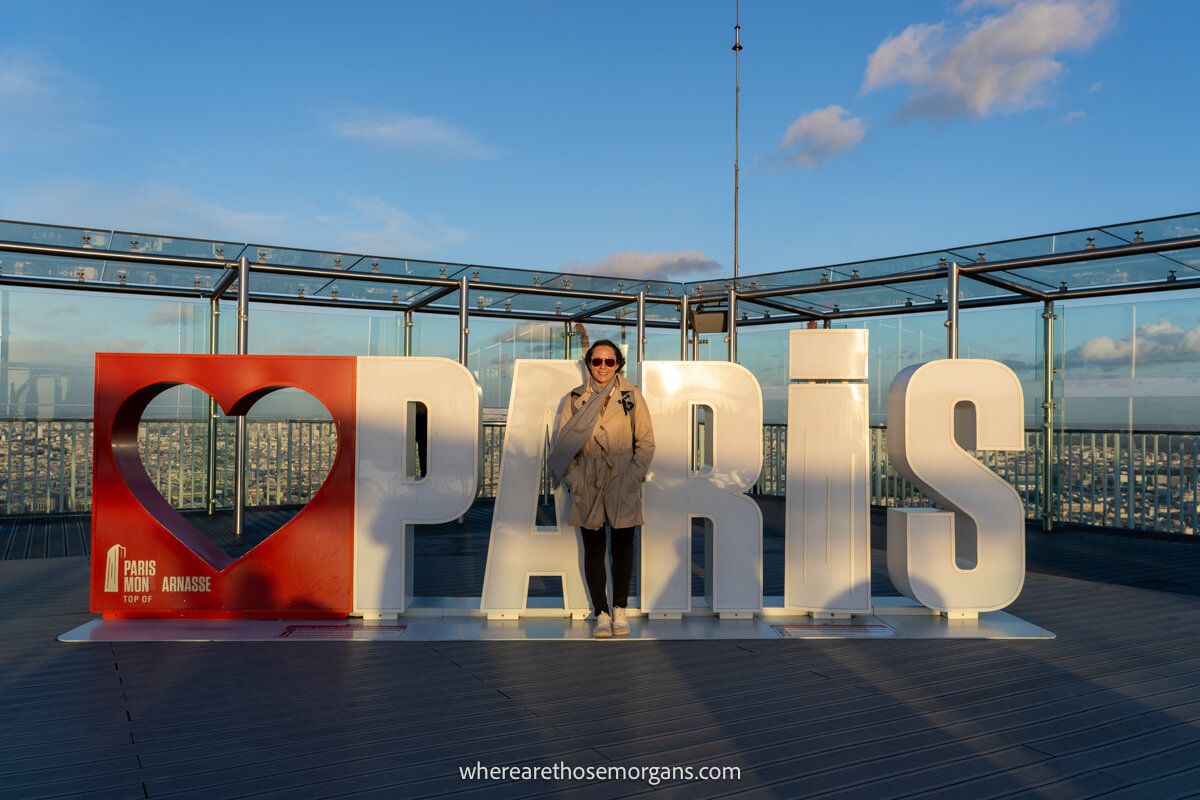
pixel 148 561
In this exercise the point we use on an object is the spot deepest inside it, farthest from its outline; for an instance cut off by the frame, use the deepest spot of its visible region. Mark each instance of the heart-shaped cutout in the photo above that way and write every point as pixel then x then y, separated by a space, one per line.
pixel 218 546
pixel 291 446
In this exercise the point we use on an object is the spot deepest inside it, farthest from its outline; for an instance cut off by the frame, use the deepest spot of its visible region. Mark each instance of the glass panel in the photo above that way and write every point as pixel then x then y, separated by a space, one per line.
pixel 763 351
pixel 83 271
pixel 1132 366
pixel 918 292
pixel 322 331
pixel 1158 229
pixel 47 363
pixel 286 285
pixel 814 275
pixel 171 246
pixel 283 256
pixel 57 235
pixel 1111 271
pixel 1035 246
pixel 1092 274
pixel 400 266
pixel 895 343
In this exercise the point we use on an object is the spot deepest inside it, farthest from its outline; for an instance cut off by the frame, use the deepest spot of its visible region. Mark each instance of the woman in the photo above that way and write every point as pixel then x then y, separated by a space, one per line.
pixel 602 452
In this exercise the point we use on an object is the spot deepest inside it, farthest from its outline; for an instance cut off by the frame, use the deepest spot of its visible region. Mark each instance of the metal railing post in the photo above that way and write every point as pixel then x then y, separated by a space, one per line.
pixel 732 339
pixel 408 327
pixel 1048 462
pixel 567 334
pixel 239 465
pixel 210 493
pixel 463 319
pixel 5 340
pixel 641 334
pixel 952 310
pixel 683 327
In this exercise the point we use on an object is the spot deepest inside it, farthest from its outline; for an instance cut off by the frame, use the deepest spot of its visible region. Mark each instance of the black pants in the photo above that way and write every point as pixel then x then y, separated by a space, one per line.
pixel 594 568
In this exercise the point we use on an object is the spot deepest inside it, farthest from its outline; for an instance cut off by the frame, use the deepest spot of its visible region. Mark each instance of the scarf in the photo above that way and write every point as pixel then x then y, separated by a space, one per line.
pixel 574 435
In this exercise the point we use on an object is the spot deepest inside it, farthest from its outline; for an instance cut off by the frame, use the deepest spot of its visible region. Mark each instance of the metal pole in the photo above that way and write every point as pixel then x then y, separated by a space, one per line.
pixel 408 327
pixel 826 323
pixel 641 333
pixel 737 115
pixel 214 318
pixel 463 311
pixel 567 334
pixel 1048 498
pixel 732 325
pixel 239 465
pixel 5 336
pixel 683 328
pixel 952 310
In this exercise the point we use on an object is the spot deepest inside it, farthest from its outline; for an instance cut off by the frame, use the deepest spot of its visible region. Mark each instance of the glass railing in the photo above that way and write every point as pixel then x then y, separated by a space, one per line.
pixel 1113 479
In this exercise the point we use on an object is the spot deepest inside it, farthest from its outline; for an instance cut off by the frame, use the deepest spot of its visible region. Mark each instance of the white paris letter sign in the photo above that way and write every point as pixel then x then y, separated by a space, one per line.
pixel 827 543
pixel 679 490
pixel 391 493
pixel 970 557
pixel 965 557
pixel 519 548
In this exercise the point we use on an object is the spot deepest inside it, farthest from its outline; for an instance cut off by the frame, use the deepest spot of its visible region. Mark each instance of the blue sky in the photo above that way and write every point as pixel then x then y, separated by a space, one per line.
pixel 598 137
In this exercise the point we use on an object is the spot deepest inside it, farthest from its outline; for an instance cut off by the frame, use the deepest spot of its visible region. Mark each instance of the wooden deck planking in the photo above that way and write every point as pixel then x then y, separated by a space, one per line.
pixel 1106 707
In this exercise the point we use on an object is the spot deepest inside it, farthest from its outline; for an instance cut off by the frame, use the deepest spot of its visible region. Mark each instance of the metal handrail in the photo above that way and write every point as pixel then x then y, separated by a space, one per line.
pixel 1144 480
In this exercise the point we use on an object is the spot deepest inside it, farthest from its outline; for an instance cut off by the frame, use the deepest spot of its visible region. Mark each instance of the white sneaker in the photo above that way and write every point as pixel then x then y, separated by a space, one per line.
pixel 620 625
pixel 603 629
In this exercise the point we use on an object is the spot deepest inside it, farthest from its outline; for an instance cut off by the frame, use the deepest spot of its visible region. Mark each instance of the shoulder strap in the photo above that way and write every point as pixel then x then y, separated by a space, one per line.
pixel 632 418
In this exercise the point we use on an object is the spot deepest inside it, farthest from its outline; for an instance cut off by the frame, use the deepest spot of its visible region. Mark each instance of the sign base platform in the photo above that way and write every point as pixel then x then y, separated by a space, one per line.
pixel 894 621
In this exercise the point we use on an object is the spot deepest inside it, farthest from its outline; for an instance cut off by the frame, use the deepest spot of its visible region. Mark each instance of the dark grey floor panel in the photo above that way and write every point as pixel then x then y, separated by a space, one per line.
pixel 1107 707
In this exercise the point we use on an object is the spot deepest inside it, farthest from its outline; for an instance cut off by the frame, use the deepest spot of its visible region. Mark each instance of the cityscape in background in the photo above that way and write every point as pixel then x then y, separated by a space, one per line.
pixel 1146 481
pixel 1127 384
pixel 1132 366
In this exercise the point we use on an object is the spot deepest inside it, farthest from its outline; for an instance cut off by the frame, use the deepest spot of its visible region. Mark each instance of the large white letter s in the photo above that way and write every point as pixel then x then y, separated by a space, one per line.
pixel 970 557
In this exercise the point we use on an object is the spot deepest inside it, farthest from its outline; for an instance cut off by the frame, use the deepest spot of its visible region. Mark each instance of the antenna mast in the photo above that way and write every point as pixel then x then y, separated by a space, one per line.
pixel 737 111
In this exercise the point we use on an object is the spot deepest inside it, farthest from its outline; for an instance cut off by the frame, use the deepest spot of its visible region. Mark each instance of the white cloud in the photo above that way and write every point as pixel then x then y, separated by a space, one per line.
pixel 1074 116
pixel 415 133
pixel 1095 87
pixel 905 58
pixel 374 226
pixel 357 224
pixel 681 265
pixel 165 210
pixel 167 314
pixel 967 5
pixel 1157 342
pixel 22 79
pixel 999 64
pixel 819 135
pixel 41 108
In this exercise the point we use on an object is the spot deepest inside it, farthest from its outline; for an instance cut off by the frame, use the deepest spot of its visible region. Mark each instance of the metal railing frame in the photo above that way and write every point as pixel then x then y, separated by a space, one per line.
pixel 241 269
pixel 1145 480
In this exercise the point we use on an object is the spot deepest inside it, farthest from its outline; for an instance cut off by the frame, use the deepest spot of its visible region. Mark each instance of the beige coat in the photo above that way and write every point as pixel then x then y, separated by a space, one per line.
pixel 605 479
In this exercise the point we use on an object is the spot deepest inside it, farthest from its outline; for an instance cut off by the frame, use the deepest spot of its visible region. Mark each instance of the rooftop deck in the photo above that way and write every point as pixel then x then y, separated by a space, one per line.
pixel 1109 708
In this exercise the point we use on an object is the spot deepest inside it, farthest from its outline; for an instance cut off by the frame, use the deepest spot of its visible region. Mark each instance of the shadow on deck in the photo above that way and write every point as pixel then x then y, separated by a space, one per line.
pixel 451 557
pixel 1108 709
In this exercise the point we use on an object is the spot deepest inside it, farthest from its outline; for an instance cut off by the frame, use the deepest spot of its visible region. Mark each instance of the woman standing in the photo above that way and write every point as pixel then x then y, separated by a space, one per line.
pixel 602 453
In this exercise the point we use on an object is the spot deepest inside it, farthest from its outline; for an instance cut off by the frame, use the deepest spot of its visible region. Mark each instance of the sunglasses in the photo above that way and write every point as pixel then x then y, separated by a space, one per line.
pixel 608 362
